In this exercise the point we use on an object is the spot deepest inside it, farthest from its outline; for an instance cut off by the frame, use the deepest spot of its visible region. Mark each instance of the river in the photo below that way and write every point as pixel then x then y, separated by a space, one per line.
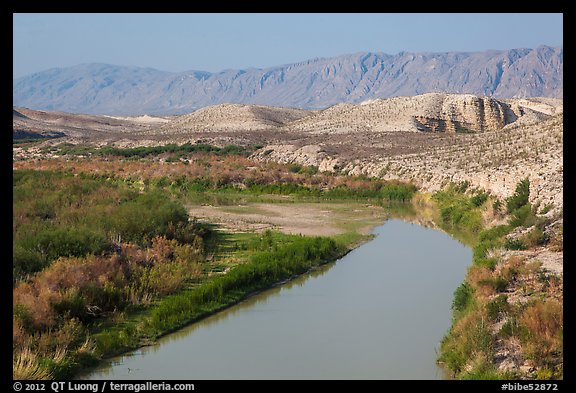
pixel 378 313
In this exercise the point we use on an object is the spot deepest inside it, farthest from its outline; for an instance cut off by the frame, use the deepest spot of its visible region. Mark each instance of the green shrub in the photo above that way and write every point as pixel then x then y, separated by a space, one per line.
pixel 469 337
pixel 480 250
pixel 510 328
pixel 497 206
pixel 146 215
pixel 309 170
pixel 522 217
pixel 457 209
pixel 497 306
pixel 514 244
pixel 22 313
pixel 518 206
pixel 536 237
pixel 462 297
pixel 25 261
pixel 479 199
pixel 500 283
pixel 520 196
pixel 483 370
pixel 42 209
pixel 472 221
pixel 295 168
pixel 461 187
pixel 490 263
pixel 494 233
pixel 161 182
pixel 74 305
pixel 66 241
pixel 545 373
pixel 61 368
pixel 547 207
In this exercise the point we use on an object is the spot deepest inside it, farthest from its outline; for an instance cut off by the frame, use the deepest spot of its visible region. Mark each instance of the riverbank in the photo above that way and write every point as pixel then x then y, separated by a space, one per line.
pixel 302 329
pixel 347 241
pixel 263 270
pixel 120 196
pixel 95 254
pixel 508 320
pixel 247 269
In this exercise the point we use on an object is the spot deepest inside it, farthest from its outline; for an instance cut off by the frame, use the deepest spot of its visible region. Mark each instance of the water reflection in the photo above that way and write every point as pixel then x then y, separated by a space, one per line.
pixel 247 305
pixel 378 313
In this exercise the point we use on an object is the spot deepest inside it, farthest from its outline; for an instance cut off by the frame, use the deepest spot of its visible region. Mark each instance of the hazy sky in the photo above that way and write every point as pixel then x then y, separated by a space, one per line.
pixel 214 42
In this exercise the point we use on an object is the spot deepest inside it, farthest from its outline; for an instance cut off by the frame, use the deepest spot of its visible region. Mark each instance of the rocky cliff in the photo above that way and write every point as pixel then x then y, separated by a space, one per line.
pixel 494 161
pixel 433 112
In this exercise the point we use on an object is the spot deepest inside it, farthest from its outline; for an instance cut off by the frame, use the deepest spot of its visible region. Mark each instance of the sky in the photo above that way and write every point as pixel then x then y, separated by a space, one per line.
pixel 215 42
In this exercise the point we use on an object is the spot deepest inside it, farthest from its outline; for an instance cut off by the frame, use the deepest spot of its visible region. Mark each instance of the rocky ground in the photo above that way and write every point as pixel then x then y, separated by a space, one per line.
pixel 494 161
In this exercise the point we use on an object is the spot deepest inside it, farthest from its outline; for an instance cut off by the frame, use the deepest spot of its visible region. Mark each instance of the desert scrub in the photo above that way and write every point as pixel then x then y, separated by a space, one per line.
pixel 463 298
pixel 547 207
pixel 520 196
pixel 85 250
pixel 498 306
pixel 489 296
pixel 483 299
pixel 459 211
pixel 57 214
pixel 209 172
pixel 62 302
pixel 145 151
pixel 520 210
pixel 489 239
pixel 541 331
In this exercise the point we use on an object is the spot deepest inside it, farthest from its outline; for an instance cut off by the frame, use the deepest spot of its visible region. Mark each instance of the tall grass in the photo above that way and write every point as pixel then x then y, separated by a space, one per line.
pixel 261 271
pixel 208 170
pixel 469 337
pixel 459 211
pixel 27 365
pixel 543 324
pixel 58 214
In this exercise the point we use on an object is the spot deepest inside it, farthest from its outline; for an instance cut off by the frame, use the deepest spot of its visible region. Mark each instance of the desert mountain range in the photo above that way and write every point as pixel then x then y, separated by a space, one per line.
pixel 312 84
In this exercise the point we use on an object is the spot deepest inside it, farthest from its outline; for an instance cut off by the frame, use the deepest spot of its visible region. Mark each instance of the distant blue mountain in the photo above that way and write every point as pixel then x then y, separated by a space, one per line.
pixel 312 84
